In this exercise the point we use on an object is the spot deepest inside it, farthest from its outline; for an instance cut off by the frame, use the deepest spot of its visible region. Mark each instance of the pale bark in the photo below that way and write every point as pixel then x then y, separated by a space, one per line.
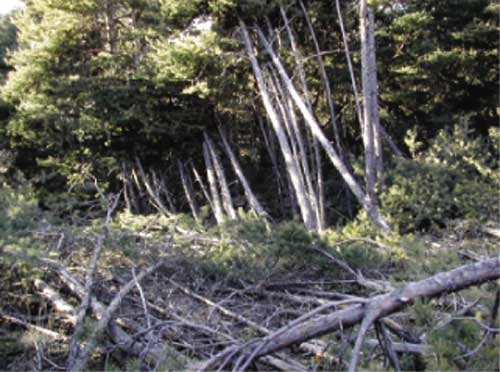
pixel 202 186
pixel 212 183
pixel 290 127
pixel 161 185
pixel 377 135
pixel 227 200
pixel 354 186
pixel 307 216
pixel 357 100
pixel 153 194
pixel 319 194
pixel 378 307
pixel 252 199
pixel 324 78
pixel 368 124
pixel 188 191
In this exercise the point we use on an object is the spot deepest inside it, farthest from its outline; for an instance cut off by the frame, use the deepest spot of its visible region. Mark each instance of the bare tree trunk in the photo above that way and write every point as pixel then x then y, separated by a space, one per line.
pixel 161 186
pixel 373 87
pixel 212 182
pixel 307 216
pixel 154 195
pixel 319 194
pixel 354 186
pixel 227 200
pixel 368 124
pixel 277 174
pixel 252 199
pixel 202 186
pixel 383 132
pixel 320 186
pixel 188 190
pixel 299 150
pixel 324 78
pixel 126 196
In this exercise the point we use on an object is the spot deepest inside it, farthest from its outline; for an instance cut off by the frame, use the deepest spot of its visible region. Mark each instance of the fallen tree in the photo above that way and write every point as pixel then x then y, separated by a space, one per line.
pixel 366 314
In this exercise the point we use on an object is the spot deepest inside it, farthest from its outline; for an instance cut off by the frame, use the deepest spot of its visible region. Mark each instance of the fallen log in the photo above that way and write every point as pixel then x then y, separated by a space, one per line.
pixel 376 308
pixel 403 347
pixel 32 327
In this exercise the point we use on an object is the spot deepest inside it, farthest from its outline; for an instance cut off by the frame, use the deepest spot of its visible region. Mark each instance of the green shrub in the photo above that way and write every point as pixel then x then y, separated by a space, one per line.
pixel 455 178
pixel 19 209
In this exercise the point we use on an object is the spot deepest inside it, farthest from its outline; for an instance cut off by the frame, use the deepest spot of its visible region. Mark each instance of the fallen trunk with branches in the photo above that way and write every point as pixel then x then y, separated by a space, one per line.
pixel 366 314
pixel 170 316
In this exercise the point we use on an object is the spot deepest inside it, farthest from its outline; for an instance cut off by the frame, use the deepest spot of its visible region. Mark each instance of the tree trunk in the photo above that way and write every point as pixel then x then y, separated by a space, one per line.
pixel 371 127
pixel 212 182
pixel 275 166
pixel 313 143
pixel 188 190
pixel 307 216
pixel 227 200
pixel 354 186
pixel 252 199
pixel 381 305
pixel 324 78
pixel 203 187
pixel 154 195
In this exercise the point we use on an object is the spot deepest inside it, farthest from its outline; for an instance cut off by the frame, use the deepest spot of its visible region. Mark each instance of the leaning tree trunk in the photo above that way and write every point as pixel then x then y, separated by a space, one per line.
pixel 212 182
pixel 153 194
pixel 227 200
pixel 252 199
pixel 307 216
pixel 188 190
pixel 367 203
pixel 275 165
pixel 324 79
pixel 313 143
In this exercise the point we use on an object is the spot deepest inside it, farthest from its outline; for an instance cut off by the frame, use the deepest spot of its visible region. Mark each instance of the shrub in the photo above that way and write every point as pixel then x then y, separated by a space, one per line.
pixel 455 178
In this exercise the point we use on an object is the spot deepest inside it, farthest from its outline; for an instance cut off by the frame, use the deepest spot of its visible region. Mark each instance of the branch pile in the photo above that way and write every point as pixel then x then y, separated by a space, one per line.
pixel 166 318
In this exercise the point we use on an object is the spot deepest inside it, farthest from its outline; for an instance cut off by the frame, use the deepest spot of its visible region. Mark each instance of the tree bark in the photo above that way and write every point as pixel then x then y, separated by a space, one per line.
pixel 252 199
pixel 227 200
pixel 307 216
pixel 313 143
pixel 383 305
pixel 212 182
pixel 371 128
pixel 188 191
pixel 354 186
pixel 324 78
pixel 154 195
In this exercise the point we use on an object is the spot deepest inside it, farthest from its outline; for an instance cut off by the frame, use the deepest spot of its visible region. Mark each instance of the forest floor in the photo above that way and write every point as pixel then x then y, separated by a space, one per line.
pixel 231 286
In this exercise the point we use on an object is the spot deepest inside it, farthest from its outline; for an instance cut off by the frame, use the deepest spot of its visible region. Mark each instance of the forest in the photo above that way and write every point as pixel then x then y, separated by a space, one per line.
pixel 250 185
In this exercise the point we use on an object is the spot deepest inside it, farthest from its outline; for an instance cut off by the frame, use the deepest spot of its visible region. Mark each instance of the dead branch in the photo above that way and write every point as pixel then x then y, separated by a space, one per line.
pixel 403 347
pixel 43 331
pixel 377 308
pixel 75 346
pixel 56 300
pixel 80 361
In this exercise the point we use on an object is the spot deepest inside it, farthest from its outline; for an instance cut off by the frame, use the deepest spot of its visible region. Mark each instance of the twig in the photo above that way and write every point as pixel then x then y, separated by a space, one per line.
pixel 81 360
pixel 35 328
pixel 75 345
pixel 387 345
